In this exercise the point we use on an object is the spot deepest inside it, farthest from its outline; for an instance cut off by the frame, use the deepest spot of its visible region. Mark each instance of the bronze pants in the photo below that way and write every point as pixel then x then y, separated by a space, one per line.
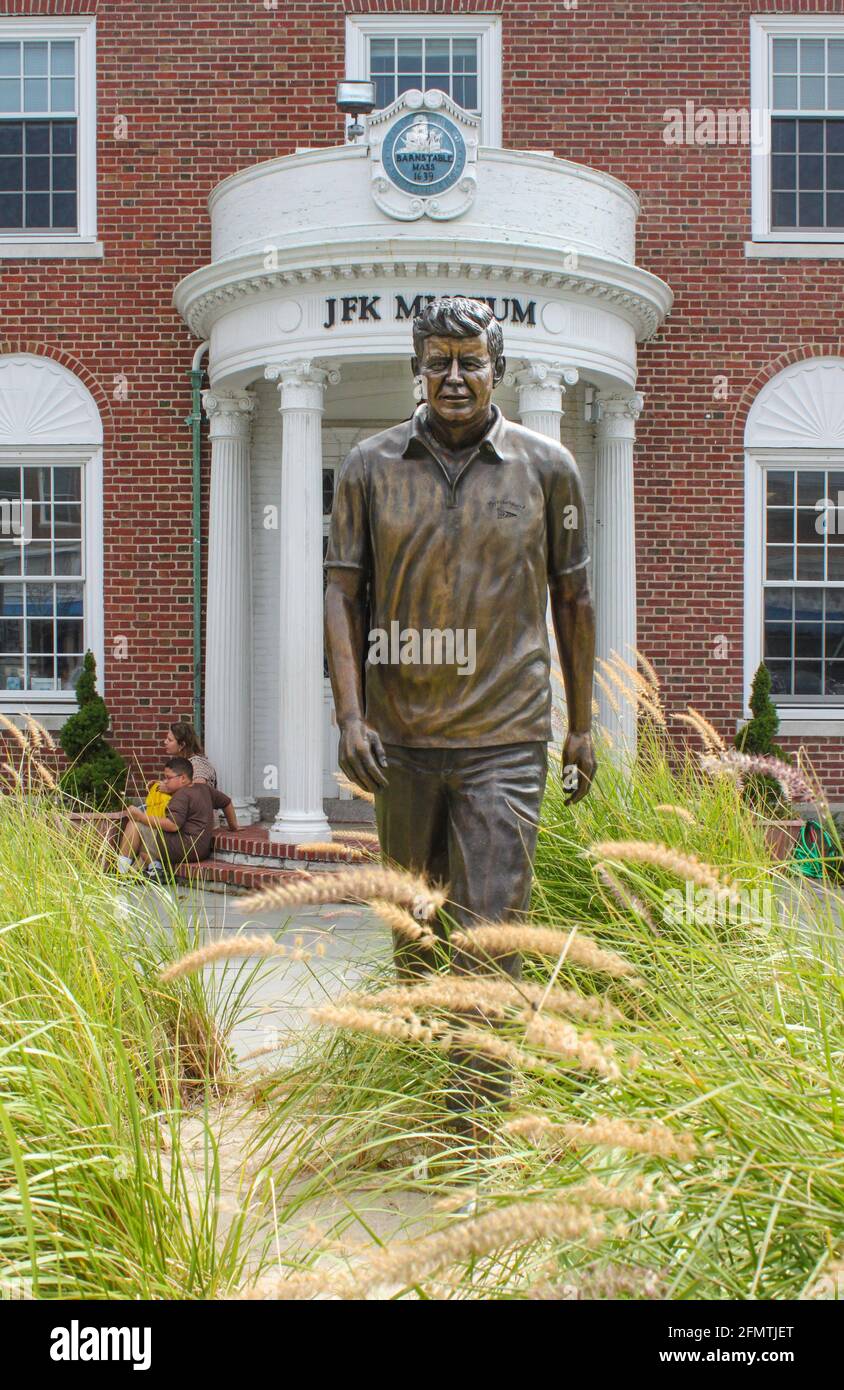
pixel 466 817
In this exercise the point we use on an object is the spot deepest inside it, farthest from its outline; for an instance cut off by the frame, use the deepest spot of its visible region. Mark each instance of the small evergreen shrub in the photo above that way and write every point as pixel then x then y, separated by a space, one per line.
pixel 97 775
pixel 758 737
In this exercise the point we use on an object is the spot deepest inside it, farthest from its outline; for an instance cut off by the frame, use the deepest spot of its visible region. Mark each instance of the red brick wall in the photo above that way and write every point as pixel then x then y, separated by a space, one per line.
pixel 210 86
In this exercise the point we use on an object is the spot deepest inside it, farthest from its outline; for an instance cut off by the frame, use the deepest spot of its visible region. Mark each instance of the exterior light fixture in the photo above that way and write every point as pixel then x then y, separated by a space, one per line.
pixel 356 99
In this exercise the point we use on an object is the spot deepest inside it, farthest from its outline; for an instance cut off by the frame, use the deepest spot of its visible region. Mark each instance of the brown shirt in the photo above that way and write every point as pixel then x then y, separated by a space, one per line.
pixel 192 808
pixel 459 551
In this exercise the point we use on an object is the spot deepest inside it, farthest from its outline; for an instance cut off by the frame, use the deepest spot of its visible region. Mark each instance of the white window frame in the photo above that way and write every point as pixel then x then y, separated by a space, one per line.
pixel 763 29
pixel 360 28
pixel 756 461
pixel 63 702
pixel 18 245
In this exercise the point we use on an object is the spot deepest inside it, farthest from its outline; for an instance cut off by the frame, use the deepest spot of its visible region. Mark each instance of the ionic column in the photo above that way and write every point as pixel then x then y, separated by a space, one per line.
pixel 540 388
pixel 615 546
pixel 301 388
pixel 228 639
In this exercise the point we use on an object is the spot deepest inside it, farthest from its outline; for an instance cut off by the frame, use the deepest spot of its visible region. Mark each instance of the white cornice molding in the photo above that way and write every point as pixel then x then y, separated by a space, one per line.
pixel 207 294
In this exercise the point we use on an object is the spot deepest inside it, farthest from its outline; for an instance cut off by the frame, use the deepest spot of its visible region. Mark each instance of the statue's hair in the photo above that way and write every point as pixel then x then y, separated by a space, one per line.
pixel 456 316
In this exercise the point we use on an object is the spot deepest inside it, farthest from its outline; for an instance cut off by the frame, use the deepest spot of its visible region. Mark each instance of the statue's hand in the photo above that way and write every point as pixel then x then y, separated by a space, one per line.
pixel 578 766
pixel 362 755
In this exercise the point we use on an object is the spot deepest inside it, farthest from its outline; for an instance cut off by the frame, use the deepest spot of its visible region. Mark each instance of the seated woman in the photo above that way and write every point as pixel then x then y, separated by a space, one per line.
pixel 185 832
pixel 181 741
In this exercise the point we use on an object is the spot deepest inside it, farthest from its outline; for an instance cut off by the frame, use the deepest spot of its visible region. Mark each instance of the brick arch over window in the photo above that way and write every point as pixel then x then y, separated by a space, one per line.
pixel 42 357
pixel 42 403
pixel 792 358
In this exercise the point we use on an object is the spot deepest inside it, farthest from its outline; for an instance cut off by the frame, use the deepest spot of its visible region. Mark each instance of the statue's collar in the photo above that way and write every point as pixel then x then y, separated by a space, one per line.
pixel 420 439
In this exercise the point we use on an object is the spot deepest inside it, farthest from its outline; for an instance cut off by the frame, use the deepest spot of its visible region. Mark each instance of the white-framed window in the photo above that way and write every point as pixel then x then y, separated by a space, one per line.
pixel 794 539
pixel 797 93
pixel 47 133
pixel 459 54
pixel 51 534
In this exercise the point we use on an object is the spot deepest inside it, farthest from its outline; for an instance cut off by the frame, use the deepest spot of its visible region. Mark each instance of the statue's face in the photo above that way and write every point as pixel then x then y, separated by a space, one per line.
pixel 459 377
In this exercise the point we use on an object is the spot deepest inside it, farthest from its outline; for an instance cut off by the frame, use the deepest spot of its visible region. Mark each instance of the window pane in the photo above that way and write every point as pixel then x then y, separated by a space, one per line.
pixel 38 558
pixel 780 562
pixel 11 174
pixel 781 527
pixel 780 488
pixel 811 487
pixel 39 636
pixel 11 635
pixel 67 520
pixel 10 483
pixel 409 55
pixel 835 171
pixel 69 600
pixel 68 557
pixel 11 600
pixel 834 677
pixel 784 209
pixel 35 94
pixel 69 671
pixel 62 59
pixel 385 90
pixel 64 173
pixel 11 137
pixel 810 209
pixel 64 137
pixel 785 55
pixel 69 635
pixel 784 171
pixel 780 673
pixel 808 678
pixel 785 93
pixel 835 641
pixel 37 484
pixel 835 210
pixel 812 94
pixel 835 55
pixel 465 55
pixel 10 59
pixel 10 556
pixel 810 134
pixel 37 135
pixel 810 171
pixel 437 55
pixel 63 94
pixel 465 92
pixel 10 94
pixel 37 171
pixel 835 93
pixel 812 55
pixel 11 210
pixel 11 673
pixel 35 59
pixel 808 639
pixel 783 136
pixel 835 562
pixel 810 562
pixel 41 672
pixel 64 210
pixel 779 604
pixel 808 605
pixel 778 640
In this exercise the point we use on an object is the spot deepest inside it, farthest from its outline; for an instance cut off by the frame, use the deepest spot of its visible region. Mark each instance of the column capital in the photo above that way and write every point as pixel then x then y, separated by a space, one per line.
pixel 542 385
pixel 301 382
pixel 618 412
pixel 229 413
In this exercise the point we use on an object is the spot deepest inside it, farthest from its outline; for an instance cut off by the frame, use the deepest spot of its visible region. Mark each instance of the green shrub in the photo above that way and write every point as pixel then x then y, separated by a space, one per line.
pixel 758 738
pixel 97 775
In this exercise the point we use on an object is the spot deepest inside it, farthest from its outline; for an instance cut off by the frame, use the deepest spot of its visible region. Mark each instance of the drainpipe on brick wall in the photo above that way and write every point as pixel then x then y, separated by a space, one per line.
pixel 195 422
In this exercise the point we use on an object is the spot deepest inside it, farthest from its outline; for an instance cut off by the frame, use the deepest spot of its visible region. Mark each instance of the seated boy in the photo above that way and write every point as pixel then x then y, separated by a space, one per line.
pixel 185 832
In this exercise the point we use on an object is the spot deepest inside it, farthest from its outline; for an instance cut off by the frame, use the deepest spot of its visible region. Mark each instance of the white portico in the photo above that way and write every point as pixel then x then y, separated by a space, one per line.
pixel 319 264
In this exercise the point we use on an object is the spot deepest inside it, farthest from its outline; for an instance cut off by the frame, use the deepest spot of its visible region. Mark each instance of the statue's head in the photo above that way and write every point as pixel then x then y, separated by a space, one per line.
pixel 458 347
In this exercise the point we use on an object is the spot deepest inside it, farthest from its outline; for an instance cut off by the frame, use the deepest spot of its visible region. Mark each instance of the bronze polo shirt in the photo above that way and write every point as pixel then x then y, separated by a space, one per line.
pixel 456 551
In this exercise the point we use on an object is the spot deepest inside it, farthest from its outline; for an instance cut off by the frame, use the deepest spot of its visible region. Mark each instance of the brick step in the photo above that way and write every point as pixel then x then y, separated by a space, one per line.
pixel 252 847
pixel 217 874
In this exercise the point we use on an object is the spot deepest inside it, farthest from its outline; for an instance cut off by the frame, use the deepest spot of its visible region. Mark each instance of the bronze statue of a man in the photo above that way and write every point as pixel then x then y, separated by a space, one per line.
pixel 447 533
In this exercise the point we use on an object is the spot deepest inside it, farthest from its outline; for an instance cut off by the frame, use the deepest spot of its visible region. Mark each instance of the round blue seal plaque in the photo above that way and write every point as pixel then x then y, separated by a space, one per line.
pixel 424 153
